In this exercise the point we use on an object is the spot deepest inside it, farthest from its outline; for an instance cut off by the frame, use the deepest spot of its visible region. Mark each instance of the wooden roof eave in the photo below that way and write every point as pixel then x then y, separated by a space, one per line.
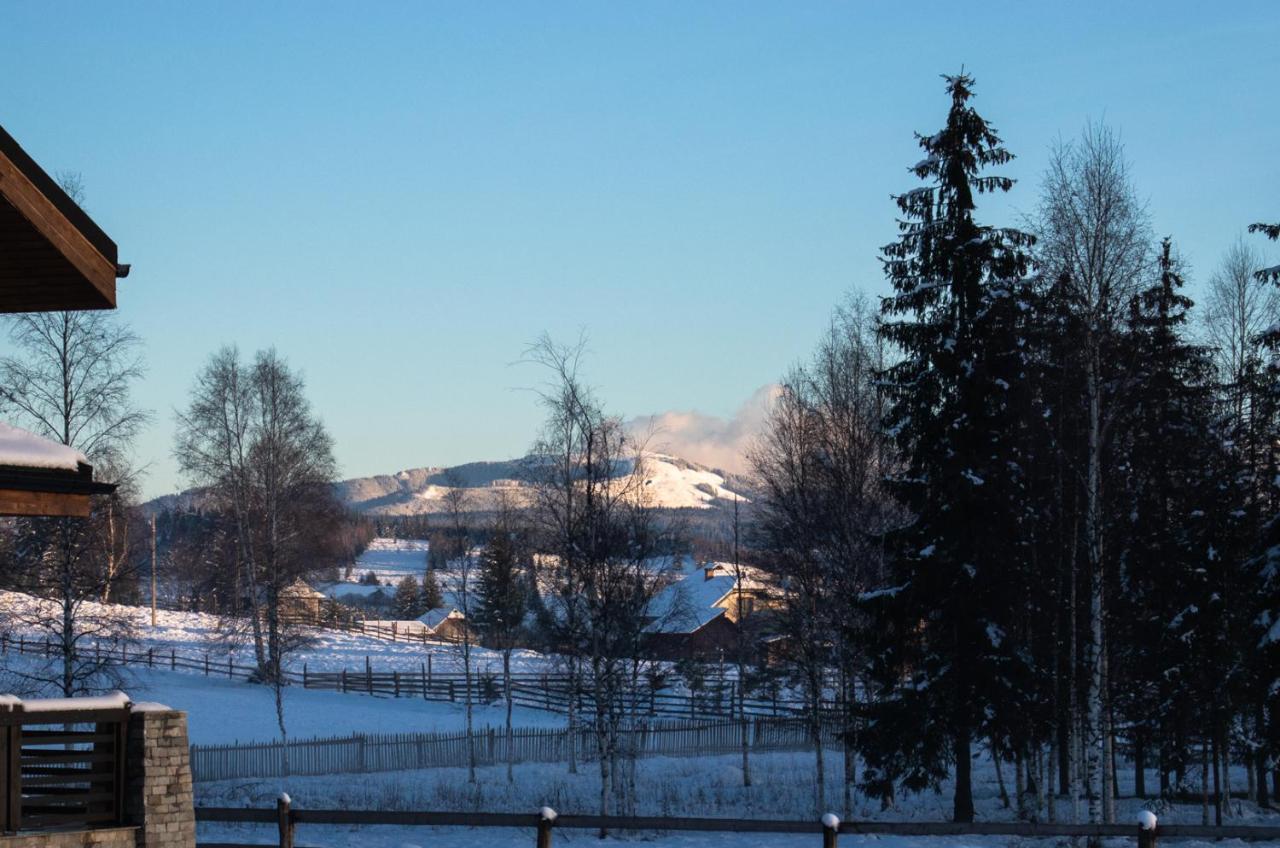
pixel 52 255
pixel 48 492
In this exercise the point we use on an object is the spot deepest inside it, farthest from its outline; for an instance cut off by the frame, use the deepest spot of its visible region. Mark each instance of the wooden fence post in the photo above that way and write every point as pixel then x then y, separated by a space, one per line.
pixel 1147 829
pixel 830 830
pixel 284 819
pixel 546 821
pixel 11 769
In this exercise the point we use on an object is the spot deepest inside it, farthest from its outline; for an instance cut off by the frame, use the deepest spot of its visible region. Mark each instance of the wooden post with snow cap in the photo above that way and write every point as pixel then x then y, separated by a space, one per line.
pixel 284 819
pixel 830 830
pixel 546 821
pixel 1147 829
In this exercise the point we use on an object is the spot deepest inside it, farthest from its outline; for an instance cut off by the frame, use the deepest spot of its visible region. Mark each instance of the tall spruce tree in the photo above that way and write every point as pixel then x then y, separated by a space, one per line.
pixel 1168 462
pixel 954 403
pixel 1266 659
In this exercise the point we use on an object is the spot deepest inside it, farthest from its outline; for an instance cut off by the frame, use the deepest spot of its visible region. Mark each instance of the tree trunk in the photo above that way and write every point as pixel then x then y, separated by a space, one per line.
pixel 995 761
pixel 962 806
pixel 506 688
pixel 1139 765
pixel 1204 780
pixel 1094 732
pixel 746 726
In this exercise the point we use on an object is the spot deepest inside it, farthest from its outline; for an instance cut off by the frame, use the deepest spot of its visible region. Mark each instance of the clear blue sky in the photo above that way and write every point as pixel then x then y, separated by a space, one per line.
pixel 400 196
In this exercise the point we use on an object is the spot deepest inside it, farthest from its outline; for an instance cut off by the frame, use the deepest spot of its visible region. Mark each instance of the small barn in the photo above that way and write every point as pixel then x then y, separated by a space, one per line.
pixel 447 624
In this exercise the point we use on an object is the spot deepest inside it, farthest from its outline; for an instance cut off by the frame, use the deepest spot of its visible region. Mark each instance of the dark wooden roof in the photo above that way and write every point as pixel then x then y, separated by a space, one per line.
pixel 52 255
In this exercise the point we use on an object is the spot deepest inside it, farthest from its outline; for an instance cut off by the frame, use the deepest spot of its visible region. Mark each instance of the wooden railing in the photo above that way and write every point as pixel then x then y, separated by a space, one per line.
pixel 716 700
pixel 62 763
pixel 286 819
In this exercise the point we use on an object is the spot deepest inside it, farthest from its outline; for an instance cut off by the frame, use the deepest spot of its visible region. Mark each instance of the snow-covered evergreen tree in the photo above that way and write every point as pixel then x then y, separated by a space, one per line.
pixel 955 397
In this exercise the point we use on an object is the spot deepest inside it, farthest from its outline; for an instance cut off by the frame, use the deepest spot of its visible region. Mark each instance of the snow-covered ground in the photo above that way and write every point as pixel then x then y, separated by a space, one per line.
pixel 194 634
pixel 392 559
pixel 220 711
pixel 709 786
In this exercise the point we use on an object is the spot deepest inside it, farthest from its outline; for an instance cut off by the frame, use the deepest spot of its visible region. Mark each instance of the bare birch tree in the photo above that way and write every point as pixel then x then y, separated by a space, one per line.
pixel 1094 234
pixel 69 379
pixel 250 437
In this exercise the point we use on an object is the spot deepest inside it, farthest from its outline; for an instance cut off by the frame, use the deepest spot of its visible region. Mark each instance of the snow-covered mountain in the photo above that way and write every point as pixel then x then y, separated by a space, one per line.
pixel 669 482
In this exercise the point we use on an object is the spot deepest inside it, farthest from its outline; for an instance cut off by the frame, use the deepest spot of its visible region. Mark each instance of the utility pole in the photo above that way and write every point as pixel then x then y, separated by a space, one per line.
pixel 153 571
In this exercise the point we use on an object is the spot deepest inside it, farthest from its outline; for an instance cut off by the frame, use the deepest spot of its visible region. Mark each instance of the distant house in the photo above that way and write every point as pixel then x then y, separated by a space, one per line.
pixel 53 258
pixel 447 623
pixel 356 594
pixel 697 615
pixel 298 597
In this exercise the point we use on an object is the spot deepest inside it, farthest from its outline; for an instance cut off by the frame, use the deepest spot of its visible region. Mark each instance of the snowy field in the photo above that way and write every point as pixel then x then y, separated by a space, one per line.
pixel 221 711
pixel 392 559
pixel 195 634
pixel 709 786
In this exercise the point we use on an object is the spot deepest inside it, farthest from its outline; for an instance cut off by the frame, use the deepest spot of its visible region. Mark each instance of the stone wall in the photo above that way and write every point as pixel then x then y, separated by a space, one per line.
pixel 111 837
pixel 158 794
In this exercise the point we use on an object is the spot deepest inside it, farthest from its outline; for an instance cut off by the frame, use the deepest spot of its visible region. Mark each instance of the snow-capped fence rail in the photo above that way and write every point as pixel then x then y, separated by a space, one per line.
pixel 1146 833
pixel 406 751
pixel 717 699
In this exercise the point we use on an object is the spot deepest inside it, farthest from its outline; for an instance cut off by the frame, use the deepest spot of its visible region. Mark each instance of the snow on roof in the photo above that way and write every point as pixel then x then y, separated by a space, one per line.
pixel 434 618
pixel 338 591
pixel 115 700
pixel 27 450
pixel 299 588
pixel 689 603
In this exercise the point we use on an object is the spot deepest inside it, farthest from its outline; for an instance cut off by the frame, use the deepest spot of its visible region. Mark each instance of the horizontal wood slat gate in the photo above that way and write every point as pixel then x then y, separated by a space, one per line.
pixel 61 768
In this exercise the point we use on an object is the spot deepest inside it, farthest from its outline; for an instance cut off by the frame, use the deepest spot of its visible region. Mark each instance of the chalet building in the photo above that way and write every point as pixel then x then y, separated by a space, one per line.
pixel 448 624
pixel 697 616
pixel 53 258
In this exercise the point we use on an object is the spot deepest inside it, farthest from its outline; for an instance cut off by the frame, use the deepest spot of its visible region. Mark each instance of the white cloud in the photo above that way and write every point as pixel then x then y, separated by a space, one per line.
pixel 708 439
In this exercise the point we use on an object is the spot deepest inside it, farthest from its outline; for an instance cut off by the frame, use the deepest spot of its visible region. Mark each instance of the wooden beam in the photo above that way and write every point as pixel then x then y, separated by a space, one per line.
pixel 19 502
pixel 99 271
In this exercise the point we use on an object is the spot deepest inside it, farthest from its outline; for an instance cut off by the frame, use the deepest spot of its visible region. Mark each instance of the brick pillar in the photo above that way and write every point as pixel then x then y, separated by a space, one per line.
pixel 158 793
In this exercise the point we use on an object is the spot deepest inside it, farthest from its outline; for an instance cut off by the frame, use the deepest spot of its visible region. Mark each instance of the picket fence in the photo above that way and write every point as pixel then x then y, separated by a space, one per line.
pixel 404 751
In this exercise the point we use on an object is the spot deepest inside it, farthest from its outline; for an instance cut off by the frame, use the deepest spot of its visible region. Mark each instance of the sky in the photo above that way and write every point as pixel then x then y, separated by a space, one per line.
pixel 400 197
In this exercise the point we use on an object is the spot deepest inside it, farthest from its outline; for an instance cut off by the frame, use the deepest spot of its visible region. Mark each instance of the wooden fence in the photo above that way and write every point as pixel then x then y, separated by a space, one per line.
pixel 543 824
pixel 552 692
pixel 404 751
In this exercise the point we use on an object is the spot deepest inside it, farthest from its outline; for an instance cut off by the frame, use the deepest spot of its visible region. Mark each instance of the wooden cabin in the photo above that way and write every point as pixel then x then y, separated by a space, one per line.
pixel 697 615
pixel 53 258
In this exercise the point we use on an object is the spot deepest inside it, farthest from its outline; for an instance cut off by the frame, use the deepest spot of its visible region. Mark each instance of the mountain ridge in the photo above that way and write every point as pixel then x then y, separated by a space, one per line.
pixel 670 482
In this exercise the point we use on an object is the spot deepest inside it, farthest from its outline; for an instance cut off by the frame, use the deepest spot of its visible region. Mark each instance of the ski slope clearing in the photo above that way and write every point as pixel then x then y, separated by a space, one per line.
pixel 392 559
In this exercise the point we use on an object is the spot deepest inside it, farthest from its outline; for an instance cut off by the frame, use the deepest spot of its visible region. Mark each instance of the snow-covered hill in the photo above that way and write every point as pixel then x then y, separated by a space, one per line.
pixel 669 482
